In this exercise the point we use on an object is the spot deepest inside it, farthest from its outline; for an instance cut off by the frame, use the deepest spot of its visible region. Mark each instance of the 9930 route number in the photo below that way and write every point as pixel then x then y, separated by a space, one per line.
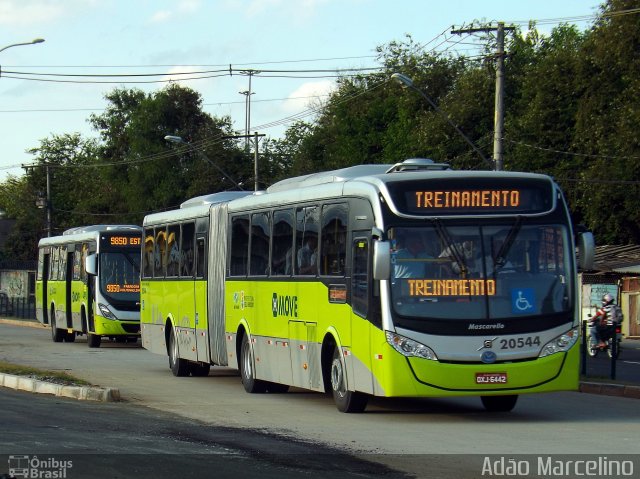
pixel 518 343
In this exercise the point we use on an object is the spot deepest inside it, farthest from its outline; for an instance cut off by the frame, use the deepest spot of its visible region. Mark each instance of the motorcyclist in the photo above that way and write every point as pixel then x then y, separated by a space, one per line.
pixel 601 322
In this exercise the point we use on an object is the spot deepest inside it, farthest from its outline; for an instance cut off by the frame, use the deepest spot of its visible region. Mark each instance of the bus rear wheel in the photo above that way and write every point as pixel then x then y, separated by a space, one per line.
pixel 247 369
pixel 179 367
pixel 57 334
pixel 346 401
pixel 199 370
pixel 499 403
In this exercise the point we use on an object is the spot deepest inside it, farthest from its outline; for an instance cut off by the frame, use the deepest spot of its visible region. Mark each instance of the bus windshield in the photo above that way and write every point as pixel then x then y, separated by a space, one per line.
pixel 475 271
pixel 120 276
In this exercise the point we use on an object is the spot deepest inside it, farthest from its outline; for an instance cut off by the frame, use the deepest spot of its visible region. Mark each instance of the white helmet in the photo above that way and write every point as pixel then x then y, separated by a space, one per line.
pixel 607 299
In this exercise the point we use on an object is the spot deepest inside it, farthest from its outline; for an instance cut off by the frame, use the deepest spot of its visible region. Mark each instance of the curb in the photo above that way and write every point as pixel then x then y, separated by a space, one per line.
pixel 23 322
pixel 87 393
pixel 619 390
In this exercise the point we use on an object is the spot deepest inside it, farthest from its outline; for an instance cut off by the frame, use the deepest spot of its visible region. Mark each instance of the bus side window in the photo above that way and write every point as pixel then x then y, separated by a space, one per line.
pixel 148 255
pixel 306 258
pixel 173 250
pixel 159 253
pixel 201 257
pixel 239 246
pixel 333 245
pixel 186 250
pixel 259 244
pixel 282 243
pixel 360 279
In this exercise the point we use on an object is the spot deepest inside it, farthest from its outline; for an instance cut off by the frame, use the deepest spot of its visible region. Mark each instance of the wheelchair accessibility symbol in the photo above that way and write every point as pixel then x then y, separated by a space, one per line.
pixel 523 301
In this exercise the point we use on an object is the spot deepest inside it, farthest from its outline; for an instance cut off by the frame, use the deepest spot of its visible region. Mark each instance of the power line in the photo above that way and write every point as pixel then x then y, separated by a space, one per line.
pixel 215 103
pixel 571 153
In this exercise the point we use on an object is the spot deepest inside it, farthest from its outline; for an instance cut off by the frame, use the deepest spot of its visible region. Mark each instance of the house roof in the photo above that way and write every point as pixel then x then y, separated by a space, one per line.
pixel 617 259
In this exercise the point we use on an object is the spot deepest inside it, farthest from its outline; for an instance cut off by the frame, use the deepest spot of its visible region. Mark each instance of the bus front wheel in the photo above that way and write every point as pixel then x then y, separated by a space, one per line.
pixel 179 367
pixel 499 403
pixel 247 369
pixel 94 340
pixel 346 401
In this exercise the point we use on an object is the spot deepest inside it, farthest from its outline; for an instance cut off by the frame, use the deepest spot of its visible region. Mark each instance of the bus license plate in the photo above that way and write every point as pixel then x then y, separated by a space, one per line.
pixel 491 378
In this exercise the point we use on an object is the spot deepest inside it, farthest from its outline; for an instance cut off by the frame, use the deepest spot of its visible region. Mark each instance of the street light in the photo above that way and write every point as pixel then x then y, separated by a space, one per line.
pixel 408 83
pixel 32 42
pixel 179 140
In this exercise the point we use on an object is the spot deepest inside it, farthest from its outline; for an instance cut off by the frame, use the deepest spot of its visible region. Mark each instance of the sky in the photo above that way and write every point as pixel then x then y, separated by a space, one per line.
pixel 165 38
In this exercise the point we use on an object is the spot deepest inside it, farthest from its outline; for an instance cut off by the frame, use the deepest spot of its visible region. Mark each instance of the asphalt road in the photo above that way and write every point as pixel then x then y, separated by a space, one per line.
pixel 627 367
pixel 100 440
pixel 407 435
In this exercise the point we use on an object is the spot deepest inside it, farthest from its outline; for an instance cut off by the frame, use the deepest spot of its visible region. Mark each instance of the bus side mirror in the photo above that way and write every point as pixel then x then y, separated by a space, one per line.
pixel 91 264
pixel 586 250
pixel 381 260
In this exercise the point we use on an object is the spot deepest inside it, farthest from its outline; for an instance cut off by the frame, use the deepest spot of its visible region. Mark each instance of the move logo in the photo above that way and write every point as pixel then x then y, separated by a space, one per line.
pixel 284 306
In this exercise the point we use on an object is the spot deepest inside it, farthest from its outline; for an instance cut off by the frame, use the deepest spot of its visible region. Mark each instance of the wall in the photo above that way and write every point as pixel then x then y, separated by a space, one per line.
pixel 15 283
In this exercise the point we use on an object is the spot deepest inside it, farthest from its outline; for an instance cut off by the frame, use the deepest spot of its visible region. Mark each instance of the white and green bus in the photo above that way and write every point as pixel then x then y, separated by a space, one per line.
pixel 407 280
pixel 88 283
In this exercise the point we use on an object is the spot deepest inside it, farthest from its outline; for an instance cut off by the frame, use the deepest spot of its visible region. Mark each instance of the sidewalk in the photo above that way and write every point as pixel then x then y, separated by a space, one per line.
pixel 29 384
pixel 600 386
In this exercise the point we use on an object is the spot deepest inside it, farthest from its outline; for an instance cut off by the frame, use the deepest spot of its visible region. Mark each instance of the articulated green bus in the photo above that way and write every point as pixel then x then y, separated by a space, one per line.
pixel 88 282
pixel 407 280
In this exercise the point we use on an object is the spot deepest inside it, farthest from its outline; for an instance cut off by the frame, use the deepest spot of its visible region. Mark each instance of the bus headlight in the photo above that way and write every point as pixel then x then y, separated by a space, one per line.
pixel 106 312
pixel 408 347
pixel 562 343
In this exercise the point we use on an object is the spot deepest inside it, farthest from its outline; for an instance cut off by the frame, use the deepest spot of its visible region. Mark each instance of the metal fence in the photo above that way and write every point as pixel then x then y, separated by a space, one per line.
pixel 24 308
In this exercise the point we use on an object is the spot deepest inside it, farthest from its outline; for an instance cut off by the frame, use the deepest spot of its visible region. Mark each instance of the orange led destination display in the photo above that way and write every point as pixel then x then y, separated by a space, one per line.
pixel 123 288
pixel 452 287
pixel 473 196
pixel 124 241
pixel 467 199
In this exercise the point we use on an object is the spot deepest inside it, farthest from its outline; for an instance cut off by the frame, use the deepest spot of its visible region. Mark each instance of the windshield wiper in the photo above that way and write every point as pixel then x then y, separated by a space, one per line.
pixel 453 247
pixel 501 257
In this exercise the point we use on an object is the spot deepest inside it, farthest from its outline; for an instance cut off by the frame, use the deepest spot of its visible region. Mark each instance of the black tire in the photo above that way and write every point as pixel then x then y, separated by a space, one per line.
pixel 499 403
pixel 57 334
pixel 592 347
pixel 179 367
pixel 199 370
pixel 70 337
pixel 277 388
pixel 94 340
pixel 346 401
pixel 248 371
pixel 610 351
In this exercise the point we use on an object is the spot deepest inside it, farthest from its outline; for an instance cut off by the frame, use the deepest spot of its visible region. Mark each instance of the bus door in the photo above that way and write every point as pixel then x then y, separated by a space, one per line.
pixel 362 311
pixel 67 284
pixel 200 298
pixel 45 287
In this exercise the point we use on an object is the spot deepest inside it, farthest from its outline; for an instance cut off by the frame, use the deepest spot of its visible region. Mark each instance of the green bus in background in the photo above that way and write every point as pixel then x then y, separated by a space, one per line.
pixel 88 282
pixel 406 280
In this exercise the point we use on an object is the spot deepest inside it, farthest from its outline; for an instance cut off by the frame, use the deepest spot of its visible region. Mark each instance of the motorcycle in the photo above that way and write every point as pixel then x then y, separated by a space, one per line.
pixel 614 330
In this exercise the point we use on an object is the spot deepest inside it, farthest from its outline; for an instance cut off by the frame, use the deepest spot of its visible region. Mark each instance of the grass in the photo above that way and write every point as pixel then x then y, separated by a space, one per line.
pixel 57 377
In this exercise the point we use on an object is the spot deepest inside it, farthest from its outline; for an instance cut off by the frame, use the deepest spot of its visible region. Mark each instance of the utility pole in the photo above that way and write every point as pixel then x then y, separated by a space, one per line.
pixel 498 128
pixel 48 202
pixel 255 135
pixel 44 203
pixel 247 108
pixel 255 164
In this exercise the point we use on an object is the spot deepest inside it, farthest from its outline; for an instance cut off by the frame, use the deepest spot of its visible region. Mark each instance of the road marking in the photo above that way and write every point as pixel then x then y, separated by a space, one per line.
pixel 631 362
